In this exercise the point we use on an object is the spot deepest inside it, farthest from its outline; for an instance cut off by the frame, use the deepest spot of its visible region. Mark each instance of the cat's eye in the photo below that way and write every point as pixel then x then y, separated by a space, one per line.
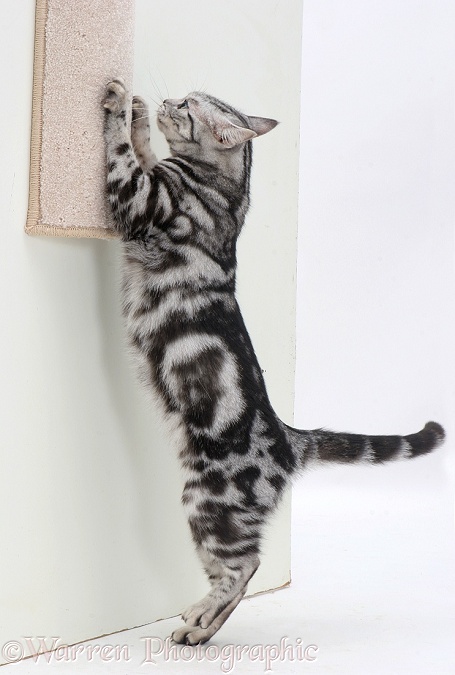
pixel 183 105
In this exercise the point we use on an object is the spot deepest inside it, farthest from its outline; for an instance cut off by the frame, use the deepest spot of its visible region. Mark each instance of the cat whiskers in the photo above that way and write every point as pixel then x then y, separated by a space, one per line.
pixel 141 116
pixel 157 90
pixel 156 101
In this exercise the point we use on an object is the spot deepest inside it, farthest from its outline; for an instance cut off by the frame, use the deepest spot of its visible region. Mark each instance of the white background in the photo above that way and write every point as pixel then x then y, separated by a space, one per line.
pixel 374 554
pixel 375 344
pixel 376 247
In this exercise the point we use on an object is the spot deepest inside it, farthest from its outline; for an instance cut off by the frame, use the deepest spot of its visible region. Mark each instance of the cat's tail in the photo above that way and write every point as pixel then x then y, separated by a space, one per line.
pixel 320 445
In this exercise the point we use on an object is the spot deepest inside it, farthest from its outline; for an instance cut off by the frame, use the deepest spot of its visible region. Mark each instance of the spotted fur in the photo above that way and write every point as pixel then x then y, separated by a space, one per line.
pixel 179 220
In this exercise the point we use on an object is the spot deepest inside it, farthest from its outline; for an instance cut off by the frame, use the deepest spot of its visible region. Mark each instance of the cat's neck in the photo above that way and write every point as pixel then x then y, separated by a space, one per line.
pixel 233 164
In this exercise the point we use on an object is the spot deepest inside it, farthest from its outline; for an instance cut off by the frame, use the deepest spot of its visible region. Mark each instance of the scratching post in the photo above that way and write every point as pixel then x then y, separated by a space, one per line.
pixel 79 47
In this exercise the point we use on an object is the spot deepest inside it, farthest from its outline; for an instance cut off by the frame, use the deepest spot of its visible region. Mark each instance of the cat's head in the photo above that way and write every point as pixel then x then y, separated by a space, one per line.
pixel 201 124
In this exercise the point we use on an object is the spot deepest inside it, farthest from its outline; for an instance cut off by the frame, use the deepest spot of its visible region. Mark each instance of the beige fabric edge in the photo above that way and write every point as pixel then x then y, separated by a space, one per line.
pixel 33 226
pixel 33 213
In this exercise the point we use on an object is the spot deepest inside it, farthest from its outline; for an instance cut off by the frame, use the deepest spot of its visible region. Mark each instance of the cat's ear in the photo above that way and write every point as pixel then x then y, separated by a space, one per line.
pixel 230 134
pixel 261 125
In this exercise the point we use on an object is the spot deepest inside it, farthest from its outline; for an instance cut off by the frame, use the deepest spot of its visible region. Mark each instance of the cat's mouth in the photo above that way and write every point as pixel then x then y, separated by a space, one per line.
pixel 165 114
pixel 162 116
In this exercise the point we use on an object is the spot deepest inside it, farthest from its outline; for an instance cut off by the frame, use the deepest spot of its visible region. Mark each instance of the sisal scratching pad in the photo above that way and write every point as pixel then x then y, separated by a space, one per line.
pixel 79 47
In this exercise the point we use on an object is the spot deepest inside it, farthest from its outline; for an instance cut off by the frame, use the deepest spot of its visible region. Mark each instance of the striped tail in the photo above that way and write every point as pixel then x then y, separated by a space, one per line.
pixel 320 446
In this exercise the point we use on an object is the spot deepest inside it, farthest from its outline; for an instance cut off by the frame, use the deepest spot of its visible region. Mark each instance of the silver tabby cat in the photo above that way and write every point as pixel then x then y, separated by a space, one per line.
pixel 179 220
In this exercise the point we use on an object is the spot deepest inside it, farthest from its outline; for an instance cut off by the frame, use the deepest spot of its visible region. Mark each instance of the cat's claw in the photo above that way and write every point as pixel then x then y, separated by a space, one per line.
pixel 115 95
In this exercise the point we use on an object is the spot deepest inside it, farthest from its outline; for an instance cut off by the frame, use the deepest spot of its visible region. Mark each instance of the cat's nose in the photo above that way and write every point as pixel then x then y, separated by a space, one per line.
pixel 172 102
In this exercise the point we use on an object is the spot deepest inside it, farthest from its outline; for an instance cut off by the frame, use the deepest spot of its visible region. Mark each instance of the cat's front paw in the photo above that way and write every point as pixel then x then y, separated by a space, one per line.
pixel 140 110
pixel 115 96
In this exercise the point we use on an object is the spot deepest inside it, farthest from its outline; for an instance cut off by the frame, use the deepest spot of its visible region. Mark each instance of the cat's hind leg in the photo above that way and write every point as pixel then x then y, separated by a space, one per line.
pixel 229 581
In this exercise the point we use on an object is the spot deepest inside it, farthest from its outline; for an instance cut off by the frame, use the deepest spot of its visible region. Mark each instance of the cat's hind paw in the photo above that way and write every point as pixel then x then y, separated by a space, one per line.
pixel 196 635
pixel 192 635
pixel 115 98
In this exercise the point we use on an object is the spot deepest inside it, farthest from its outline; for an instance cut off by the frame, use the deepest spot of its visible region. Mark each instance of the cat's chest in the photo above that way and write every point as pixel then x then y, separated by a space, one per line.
pixel 177 277
pixel 154 301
